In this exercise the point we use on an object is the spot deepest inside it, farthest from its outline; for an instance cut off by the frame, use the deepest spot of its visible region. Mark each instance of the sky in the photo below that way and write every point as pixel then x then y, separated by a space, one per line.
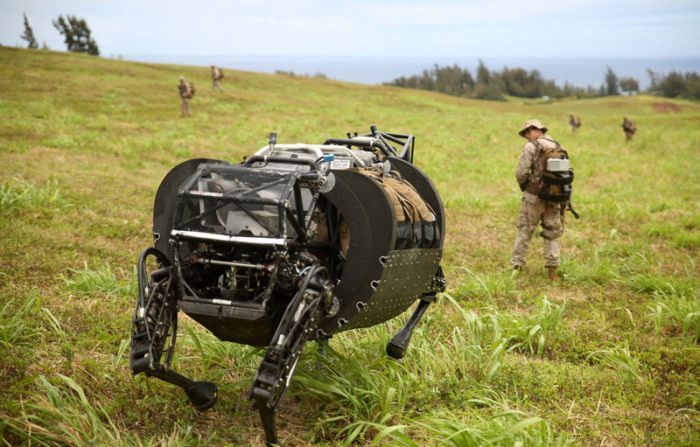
pixel 381 28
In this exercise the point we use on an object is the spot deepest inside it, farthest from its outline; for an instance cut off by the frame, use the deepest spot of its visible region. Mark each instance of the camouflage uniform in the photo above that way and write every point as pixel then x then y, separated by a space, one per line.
pixel 574 122
pixel 534 211
pixel 185 90
pixel 216 77
pixel 628 127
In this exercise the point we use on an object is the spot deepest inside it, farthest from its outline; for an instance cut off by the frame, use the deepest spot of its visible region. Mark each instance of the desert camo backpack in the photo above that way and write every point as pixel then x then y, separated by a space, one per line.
pixel 557 176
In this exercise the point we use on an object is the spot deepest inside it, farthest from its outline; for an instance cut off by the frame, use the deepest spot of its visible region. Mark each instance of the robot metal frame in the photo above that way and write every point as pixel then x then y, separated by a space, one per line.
pixel 297 243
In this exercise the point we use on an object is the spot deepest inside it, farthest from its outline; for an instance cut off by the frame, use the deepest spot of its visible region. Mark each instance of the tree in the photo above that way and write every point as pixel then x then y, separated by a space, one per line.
pixel 692 83
pixel 491 84
pixel 629 85
pixel 673 85
pixel 28 35
pixel 519 82
pixel 76 35
pixel 483 76
pixel 467 82
pixel 611 83
pixel 653 81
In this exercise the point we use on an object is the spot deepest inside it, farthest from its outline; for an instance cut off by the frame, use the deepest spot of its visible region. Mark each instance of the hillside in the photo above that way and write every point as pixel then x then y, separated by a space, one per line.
pixel 607 357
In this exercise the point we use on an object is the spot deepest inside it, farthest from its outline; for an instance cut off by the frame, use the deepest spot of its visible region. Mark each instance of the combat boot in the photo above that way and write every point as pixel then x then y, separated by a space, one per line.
pixel 552 273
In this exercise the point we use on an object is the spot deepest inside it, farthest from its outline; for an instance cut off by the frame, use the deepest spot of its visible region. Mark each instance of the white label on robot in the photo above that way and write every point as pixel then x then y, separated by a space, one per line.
pixel 341 163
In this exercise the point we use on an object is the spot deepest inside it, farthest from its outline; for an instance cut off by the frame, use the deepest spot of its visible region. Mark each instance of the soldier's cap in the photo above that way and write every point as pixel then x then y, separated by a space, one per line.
pixel 182 78
pixel 532 123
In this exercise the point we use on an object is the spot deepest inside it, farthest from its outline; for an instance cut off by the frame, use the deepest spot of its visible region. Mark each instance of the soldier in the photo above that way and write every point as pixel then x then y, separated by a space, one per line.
pixel 628 127
pixel 186 90
pixel 574 122
pixel 217 75
pixel 533 210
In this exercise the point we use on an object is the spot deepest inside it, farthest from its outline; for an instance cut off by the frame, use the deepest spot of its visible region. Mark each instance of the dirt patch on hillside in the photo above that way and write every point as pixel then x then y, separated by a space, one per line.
pixel 665 107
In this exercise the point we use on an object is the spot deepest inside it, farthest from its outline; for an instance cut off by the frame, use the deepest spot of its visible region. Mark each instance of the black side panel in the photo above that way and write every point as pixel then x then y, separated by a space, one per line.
pixel 372 224
pixel 237 322
pixel 407 276
pixel 164 205
pixel 425 188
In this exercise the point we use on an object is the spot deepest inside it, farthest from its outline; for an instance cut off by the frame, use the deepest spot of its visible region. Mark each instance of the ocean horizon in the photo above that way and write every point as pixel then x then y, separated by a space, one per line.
pixel 580 72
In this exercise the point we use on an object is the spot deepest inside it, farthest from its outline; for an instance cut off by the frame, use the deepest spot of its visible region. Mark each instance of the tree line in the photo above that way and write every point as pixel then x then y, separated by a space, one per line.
pixel 450 79
pixel 519 82
pixel 675 84
pixel 75 31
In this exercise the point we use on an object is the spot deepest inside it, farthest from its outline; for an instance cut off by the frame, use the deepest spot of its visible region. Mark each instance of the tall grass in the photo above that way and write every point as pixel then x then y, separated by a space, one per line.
pixel 507 427
pixel 376 403
pixel 620 358
pixel 677 311
pixel 477 341
pixel 485 286
pixel 370 400
pixel 18 195
pixel 54 323
pixel 524 332
pixel 215 354
pixel 15 327
pixel 62 415
pixel 530 332
pixel 358 397
pixel 112 133
pixel 655 285
pixel 676 302
pixel 102 280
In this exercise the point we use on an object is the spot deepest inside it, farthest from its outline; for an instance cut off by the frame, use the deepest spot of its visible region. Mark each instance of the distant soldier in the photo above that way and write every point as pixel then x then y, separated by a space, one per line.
pixel 186 93
pixel 574 122
pixel 535 211
pixel 628 127
pixel 217 75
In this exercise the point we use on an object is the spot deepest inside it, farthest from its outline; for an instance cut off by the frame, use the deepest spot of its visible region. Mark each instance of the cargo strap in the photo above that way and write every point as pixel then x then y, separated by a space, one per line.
pixel 407 203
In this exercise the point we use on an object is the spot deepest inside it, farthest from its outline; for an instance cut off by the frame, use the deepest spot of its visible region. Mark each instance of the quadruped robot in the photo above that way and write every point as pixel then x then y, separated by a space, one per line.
pixel 297 243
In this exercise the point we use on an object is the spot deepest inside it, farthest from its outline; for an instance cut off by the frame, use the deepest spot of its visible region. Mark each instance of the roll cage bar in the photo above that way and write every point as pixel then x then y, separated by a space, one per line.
pixel 390 144
pixel 292 181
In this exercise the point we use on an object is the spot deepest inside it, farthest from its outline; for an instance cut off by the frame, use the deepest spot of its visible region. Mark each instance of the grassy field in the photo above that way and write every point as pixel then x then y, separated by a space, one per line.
pixel 607 357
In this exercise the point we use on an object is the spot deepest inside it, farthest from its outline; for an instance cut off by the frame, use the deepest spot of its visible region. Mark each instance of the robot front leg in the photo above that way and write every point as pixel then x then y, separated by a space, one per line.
pixel 154 323
pixel 299 321
pixel 396 348
pixel 202 394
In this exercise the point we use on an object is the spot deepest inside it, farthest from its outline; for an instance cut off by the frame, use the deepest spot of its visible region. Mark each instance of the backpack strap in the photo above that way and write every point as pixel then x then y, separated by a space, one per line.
pixel 541 148
pixel 538 152
pixel 557 179
pixel 554 198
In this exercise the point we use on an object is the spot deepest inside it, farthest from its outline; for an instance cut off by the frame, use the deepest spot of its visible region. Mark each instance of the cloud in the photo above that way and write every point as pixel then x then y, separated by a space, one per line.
pixel 389 27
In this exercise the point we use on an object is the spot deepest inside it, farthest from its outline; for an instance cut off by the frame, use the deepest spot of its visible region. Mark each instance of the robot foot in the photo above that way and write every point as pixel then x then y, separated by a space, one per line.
pixel 202 395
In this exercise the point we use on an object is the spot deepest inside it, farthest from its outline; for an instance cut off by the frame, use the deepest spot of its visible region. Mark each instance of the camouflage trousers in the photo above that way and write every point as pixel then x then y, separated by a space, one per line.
pixel 535 211
pixel 185 107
